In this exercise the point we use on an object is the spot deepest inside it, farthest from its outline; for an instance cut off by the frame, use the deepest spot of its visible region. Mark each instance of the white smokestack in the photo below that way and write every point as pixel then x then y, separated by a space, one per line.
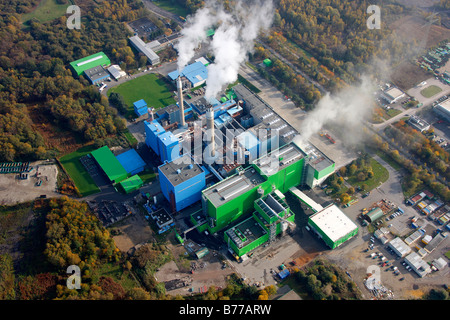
pixel 210 128
pixel 180 101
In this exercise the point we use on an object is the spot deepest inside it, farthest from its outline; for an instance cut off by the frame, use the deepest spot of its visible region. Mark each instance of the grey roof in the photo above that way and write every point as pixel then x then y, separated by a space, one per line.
pixel 140 45
pixel 234 186
pixel 95 73
pixel 279 159
pixel 316 159
pixel 180 170
pixel 245 232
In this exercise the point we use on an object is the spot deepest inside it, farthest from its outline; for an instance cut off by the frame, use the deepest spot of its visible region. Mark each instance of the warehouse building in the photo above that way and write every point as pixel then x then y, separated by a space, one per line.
pixel 196 73
pixel 399 247
pixel 332 226
pixel 415 261
pixel 131 184
pixel 418 124
pixel 393 94
pixel 95 60
pixel 442 109
pixel 97 74
pixel 140 108
pixel 182 182
pixel 131 161
pixel 140 46
pixel 112 168
pixel 271 217
pixel 116 72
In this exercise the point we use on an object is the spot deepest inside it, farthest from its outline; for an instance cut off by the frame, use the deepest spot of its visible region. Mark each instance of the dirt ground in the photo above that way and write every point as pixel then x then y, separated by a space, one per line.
pixel 357 263
pixel 209 272
pixel 13 190
pixel 407 75
pixel 132 230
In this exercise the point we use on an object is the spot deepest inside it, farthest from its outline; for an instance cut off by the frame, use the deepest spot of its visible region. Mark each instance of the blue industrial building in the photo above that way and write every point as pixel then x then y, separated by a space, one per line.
pixel 152 131
pixel 140 107
pixel 182 182
pixel 196 73
pixel 249 143
pixel 169 146
pixel 131 161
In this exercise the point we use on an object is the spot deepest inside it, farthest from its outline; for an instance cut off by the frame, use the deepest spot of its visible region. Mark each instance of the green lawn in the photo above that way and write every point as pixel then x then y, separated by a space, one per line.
pixel 380 175
pixel 430 91
pixel 45 11
pixel 171 6
pixel 83 181
pixel 150 87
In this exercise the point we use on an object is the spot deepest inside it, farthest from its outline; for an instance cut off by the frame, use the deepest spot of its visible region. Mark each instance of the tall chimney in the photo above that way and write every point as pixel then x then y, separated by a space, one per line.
pixel 210 127
pixel 180 101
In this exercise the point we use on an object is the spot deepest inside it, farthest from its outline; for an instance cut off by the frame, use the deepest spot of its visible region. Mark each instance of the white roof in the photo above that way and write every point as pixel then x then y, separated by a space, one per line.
pixel 394 92
pixel 202 60
pixel 333 222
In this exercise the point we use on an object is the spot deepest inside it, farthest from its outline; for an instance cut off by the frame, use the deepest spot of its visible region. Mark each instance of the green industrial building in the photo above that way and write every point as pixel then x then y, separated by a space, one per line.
pixel 109 164
pixel 332 226
pixel 230 199
pixel 270 218
pixel 131 184
pixel 86 63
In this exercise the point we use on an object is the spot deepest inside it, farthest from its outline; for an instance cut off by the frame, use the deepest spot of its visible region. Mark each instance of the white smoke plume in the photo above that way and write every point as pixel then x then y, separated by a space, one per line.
pixel 347 109
pixel 233 38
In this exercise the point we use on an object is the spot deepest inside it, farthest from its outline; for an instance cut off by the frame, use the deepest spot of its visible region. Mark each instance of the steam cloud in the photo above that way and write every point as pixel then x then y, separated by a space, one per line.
pixel 232 40
pixel 347 109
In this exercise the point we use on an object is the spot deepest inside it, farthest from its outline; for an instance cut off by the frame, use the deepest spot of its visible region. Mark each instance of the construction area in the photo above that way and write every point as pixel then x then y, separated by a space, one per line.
pixel 22 182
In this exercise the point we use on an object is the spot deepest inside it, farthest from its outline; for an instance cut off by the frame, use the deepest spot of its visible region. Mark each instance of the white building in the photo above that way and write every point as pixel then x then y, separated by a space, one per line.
pixel 116 71
pixel 443 109
pixel 416 263
pixel 393 94
pixel 139 45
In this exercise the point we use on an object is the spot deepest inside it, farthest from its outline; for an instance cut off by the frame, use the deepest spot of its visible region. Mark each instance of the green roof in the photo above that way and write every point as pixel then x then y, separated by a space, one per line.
pixel 110 165
pixel 97 59
pixel 132 183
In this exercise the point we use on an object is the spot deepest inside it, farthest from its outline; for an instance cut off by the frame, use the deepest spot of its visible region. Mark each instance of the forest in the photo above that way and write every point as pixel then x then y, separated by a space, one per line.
pixel 35 79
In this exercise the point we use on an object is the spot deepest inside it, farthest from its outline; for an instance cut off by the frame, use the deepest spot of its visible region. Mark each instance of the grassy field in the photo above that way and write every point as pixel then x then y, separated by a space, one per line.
pixel 45 11
pixel 430 91
pixel 172 7
pixel 83 181
pixel 380 175
pixel 149 87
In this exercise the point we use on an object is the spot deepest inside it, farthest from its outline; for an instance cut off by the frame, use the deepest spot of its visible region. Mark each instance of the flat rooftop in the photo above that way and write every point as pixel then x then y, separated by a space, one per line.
pixel 317 159
pixel 394 92
pixel 279 159
pixel 180 170
pixel 333 222
pixel 233 187
pixel 246 232
pixel 445 105
pixel 96 73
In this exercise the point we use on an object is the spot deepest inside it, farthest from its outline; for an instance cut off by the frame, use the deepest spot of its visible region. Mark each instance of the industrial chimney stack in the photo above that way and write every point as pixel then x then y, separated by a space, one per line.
pixel 181 102
pixel 210 128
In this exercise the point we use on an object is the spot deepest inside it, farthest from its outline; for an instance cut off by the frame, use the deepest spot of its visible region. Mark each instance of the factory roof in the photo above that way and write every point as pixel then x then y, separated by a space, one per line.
pixel 180 170
pixel 97 59
pixel 400 246
pixel 131 160
pixel 234 186
pixel 96 73
pixel 109 163
pixel 140 45
pixel 316 158
pixel 418 264
pixel 132 183
pixel 394 93
pixel 444 106
pixel 116 71
pixel 155 126
pixel 251 100
pixel 278 159
pixel 247 140
pixel 167 138
pixel 245 232
pixel 333 222
pixel 140 104
pixel 194 72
